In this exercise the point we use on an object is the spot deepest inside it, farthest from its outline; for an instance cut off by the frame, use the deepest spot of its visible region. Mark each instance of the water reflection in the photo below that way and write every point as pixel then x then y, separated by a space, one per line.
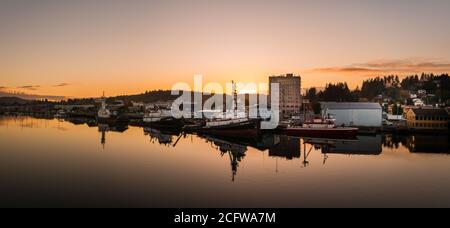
pixel 104 128
pixel 153 165
pixel 428 144
pixel 163 136
pixel 234 150
pixel 278 146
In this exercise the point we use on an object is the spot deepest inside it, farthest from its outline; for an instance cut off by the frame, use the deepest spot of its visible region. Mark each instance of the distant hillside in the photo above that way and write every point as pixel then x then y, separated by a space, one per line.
pixel 31 96
pixel 12 101
pixel 152 96
pixel 148 97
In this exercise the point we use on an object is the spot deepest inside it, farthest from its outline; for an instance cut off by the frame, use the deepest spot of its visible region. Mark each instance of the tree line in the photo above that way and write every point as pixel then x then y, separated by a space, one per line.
pixel 384 87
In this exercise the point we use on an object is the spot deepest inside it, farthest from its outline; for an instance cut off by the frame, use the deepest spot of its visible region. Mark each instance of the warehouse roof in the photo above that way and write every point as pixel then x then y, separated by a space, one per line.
pixel 350 105
pixel 430 112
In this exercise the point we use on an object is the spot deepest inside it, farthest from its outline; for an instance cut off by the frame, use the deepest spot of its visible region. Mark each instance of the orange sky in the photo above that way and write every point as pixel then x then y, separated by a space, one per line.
pixel 81 48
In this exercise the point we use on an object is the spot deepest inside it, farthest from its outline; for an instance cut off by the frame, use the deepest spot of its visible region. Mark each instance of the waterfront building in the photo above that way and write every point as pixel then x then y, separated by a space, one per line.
pixel 358 114
pixel 290 94
pixel 428 118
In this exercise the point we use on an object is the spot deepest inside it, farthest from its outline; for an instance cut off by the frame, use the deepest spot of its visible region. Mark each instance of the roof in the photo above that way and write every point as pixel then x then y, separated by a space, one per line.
pixel 350 105
pixel 394 117
pixel 439 112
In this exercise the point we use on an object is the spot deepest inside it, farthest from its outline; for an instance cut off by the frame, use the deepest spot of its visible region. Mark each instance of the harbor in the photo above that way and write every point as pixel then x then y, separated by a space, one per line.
pixel 160 117
pixel 148 151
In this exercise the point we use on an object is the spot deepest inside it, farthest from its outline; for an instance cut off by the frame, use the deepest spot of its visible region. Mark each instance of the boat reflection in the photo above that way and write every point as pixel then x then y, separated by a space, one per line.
pixel 277 145
pixel 80 121
pixel 363 145
pixel 104 128
pixel 234 150
pixel 163 137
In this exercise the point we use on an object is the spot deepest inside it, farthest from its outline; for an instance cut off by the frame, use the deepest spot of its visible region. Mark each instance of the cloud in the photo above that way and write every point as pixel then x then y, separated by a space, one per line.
pixel 29 87
pixel 346 69
pixel 396 66
pixel 62 85
pixel 3 87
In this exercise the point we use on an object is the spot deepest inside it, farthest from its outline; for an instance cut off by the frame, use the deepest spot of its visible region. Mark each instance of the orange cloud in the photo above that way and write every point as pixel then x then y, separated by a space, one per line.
pixel 345 70
pixel 62 85
pixel 404 66
pixel 29 87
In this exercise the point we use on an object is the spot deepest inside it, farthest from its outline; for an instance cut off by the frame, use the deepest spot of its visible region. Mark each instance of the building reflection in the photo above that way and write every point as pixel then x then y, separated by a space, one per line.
pixel 394 141
pixel 286 147
pixel 428 144
pixel 438 144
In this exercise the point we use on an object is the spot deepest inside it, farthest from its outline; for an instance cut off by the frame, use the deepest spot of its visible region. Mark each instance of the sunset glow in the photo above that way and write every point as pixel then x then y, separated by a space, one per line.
pixel 81 48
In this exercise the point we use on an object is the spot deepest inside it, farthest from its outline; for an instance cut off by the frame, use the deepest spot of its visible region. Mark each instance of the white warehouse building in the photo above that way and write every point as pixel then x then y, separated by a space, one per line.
pixel 359 114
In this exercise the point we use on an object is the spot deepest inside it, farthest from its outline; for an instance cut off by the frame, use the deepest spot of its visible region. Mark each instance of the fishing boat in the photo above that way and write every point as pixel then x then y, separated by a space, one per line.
pixel 231 124
pixel 239 127
pixel 105 115
pixel 162 118
pixel 321 128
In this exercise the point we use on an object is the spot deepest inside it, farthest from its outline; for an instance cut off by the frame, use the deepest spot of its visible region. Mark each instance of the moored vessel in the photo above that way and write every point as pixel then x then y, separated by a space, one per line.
pixel 105 115
pixel 162 118
pixel 231 124
pixel 321 128
pixel 238 128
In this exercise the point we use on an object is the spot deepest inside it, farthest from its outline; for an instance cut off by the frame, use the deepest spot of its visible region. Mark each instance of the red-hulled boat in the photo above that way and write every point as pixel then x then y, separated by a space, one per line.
pixel 322 128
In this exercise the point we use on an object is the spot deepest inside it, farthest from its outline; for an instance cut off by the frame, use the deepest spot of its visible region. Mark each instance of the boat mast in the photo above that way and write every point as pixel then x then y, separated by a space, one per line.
pixel 103 101
pixel 235 98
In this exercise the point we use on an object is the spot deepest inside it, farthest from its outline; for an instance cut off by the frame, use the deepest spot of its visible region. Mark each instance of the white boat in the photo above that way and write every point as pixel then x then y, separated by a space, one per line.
pixel 157 115
pixel 60 114
pixel 105 115
pixel 103 112
pixel 233 123
pixel 162 118
pixel 321 128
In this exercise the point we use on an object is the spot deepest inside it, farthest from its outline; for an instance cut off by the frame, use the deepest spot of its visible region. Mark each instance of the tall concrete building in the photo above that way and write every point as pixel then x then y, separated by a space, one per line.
pixel 290 93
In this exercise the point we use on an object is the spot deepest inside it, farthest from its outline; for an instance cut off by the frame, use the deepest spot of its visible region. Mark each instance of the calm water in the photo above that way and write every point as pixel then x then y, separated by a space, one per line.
pixel 53 163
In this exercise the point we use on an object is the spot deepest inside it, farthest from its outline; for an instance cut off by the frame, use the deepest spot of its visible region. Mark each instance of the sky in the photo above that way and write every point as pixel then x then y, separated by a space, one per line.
pixel 82 48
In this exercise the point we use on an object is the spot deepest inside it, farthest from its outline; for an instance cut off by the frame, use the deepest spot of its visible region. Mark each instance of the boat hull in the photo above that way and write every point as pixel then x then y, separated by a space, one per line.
pixel 333 133
pixel 169 123
pixel 247 129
